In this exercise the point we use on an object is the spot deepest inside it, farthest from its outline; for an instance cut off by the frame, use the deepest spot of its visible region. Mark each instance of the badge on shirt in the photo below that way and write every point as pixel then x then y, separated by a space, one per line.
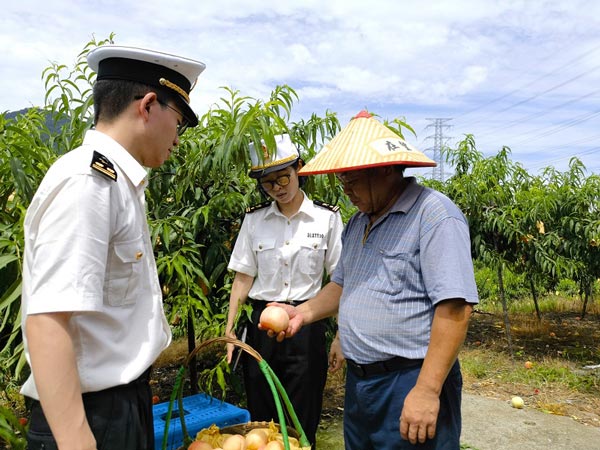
pixel 100 163
pixel 254 208
pixel 333 208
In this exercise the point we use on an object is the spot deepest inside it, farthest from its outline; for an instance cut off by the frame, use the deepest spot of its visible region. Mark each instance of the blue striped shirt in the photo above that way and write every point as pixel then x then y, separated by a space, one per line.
pixel 414 256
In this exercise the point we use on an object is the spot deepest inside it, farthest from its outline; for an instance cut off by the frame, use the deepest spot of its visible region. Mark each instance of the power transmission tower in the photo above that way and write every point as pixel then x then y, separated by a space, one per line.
pixel 439 142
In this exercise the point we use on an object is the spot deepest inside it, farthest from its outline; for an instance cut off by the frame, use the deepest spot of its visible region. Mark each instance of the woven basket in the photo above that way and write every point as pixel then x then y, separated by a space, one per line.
pixel 276 387
pixel 243 428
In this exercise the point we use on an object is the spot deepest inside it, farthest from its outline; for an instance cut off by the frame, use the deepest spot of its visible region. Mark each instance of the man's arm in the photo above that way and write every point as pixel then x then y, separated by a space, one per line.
pixel 54 368
pixel 421 406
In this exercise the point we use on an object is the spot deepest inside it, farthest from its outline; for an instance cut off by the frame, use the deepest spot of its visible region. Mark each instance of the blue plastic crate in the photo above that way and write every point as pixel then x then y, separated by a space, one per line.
pixel 201 411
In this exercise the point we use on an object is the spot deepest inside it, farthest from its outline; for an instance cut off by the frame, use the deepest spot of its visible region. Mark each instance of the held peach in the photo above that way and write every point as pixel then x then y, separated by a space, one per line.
pixel 274 318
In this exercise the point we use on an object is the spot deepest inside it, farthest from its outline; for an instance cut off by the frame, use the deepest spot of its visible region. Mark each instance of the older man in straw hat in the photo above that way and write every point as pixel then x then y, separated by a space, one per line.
pixel 404 287
pixel 93 319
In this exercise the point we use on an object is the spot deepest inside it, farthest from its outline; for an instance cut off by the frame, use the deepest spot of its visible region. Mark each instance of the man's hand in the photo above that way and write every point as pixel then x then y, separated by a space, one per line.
pixel 336 357
pixel 419 415
pixel 296 322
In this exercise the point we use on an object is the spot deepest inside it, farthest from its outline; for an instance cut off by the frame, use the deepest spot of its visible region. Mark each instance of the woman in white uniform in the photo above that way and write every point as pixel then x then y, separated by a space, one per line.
pixel 281 254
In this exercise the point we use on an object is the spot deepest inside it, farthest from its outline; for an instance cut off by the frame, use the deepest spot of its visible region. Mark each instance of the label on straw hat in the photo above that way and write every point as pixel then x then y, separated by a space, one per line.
pixel 387 146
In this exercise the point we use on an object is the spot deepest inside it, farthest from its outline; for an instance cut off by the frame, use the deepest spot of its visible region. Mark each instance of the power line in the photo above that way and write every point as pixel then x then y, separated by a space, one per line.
pixel 572 155
pixel 537 115
pixel 553 88
pixel 553 129
pixel 552 72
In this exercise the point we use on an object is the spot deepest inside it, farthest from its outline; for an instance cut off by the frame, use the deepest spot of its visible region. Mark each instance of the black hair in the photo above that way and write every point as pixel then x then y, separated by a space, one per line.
pixel 112 97
pixel 301 180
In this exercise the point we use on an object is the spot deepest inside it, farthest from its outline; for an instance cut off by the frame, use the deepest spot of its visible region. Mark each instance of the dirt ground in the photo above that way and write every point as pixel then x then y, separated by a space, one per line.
pixel 561 337
pixel 557 418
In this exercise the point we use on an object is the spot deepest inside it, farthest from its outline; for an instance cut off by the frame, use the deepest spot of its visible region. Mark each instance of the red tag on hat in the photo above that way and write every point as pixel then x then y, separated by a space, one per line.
pixel 363 114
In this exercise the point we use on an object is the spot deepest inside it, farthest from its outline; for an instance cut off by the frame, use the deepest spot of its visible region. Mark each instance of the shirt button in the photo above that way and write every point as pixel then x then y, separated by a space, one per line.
pixel 286 283
pixel 286 264
pixel 139 255
pixel 260 247
pixel 289 223
pixel 287 242
pixel 315 245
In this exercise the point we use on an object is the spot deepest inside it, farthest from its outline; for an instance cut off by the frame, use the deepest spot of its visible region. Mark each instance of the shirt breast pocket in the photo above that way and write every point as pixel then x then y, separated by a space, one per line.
pixel 266 255
pixel 312 257
pixel 393 272
pixel 124 272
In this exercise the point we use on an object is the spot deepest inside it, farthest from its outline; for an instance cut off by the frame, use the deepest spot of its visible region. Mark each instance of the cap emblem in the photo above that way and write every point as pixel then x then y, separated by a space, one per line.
pixel 265 153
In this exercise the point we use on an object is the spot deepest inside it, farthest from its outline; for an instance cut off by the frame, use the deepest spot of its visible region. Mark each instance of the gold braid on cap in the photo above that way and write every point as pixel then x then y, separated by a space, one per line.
pixel 275 163
pixel 171 85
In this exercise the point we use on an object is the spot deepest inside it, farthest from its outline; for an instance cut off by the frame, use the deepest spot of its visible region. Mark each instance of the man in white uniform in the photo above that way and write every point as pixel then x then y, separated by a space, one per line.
pixel 93 320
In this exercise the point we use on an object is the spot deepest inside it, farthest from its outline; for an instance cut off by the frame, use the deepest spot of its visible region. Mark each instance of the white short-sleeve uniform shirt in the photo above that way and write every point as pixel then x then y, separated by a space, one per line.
pixel 288 257
pixel 88 251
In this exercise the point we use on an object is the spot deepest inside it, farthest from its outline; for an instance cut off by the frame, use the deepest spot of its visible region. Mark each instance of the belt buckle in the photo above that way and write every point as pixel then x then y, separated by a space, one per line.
pixel 358 368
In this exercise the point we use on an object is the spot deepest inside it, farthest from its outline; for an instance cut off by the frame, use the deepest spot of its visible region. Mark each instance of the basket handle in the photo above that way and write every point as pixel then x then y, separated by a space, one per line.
pixel 272 379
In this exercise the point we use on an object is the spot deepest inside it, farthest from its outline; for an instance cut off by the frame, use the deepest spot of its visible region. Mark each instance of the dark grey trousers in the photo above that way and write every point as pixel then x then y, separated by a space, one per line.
pixel 120 418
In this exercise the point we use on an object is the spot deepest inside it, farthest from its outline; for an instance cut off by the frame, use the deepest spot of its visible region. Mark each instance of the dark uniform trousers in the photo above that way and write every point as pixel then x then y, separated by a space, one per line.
pixel 120 418
pixel 300 363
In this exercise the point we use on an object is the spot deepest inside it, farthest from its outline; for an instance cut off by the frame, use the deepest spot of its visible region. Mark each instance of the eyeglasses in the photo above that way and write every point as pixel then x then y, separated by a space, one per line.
pixel 349 181
pixel 181 126
pixel 282 180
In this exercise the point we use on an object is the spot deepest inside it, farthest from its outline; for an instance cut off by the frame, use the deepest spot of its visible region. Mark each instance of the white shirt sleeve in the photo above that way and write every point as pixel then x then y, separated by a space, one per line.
pixel 72 228
pixel 243 258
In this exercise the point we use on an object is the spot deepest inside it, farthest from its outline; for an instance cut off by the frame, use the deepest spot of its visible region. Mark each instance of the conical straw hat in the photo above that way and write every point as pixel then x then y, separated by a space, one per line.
pixel 364 143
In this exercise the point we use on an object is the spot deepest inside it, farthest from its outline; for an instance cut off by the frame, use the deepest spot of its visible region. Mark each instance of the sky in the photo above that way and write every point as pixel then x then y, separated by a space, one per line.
pixel 521 74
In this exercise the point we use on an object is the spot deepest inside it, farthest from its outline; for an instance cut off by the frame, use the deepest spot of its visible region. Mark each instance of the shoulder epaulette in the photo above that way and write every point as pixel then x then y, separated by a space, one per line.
pixel 251 209
pixel 333 208
pixel 100 163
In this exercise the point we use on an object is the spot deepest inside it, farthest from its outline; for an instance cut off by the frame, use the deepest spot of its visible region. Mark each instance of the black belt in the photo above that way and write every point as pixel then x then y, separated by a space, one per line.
pixel 263 303
pixel 378 368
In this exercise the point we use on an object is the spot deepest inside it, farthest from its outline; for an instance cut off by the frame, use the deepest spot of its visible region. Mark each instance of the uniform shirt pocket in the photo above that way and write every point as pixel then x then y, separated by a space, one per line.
pixel 124 272
pixel 266 255
pixel 312 257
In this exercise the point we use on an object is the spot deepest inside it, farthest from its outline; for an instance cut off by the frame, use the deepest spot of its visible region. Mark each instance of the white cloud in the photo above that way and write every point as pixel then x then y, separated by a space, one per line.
pixel 477 61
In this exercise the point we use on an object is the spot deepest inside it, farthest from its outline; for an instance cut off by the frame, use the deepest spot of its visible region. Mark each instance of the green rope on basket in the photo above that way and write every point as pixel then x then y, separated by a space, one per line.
pixel 177 393
pixel 269 375
pixel 288 404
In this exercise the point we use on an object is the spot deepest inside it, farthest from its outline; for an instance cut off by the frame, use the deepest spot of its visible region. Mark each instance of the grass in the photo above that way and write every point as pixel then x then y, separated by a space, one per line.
pixel 547 373
pixel 558 348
